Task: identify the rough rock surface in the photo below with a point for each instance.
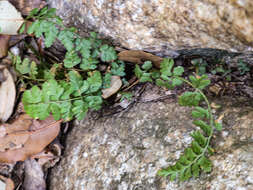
(125, 151)
(169, 24)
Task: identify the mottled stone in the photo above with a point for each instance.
(124, 151)
(169, 24)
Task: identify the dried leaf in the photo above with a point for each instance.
(139, 57)
(34, 176)
(10, 18)
(13, 141)
(22, 123)
(38, 138)
(116, 83)
(4, 45)
(7, 94)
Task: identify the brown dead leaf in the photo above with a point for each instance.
(139, 57)
(32, 141)
(116, 83)
(4, 45)
(7, 94)
(22, 123)
(13, 141)
(34, 176)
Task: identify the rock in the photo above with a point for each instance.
(164, 25)
(124, 151)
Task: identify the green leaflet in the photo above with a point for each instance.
(25, 67)
(66, 111)
(84, 47)
(143, 75)
(118, 68)
(108, 53)
(199, 138)
(199, 82)
(50, 35)
(67, 37)
(95, 82)
(166, 67)
(107, 80)
(147, 65)
(80, 109)
(178, 71)
(204, 126)
(71, 59)
(200, 112)
(89, 64)
(94, 102)
(190, 99)
(32, 96)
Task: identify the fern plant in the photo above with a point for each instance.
(195, 158)
(68, 90)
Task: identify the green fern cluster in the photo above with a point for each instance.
(66, 90)
(70, 89)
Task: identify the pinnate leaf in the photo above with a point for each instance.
(200, 112)
(95, 82)
(67, 37)
(80, 109)
(147, 65)
(178, 71)
(204, 126)
(108, 53)
(94, 102)
(71, 59)
(166, 67)
(190, 99)
(32, 96)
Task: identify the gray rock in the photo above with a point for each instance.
(165, 25)
(124, 151)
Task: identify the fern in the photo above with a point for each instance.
(66, 91)
(195, 158)
(70, 89)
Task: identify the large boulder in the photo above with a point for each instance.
(165, 24)
(124, 151)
